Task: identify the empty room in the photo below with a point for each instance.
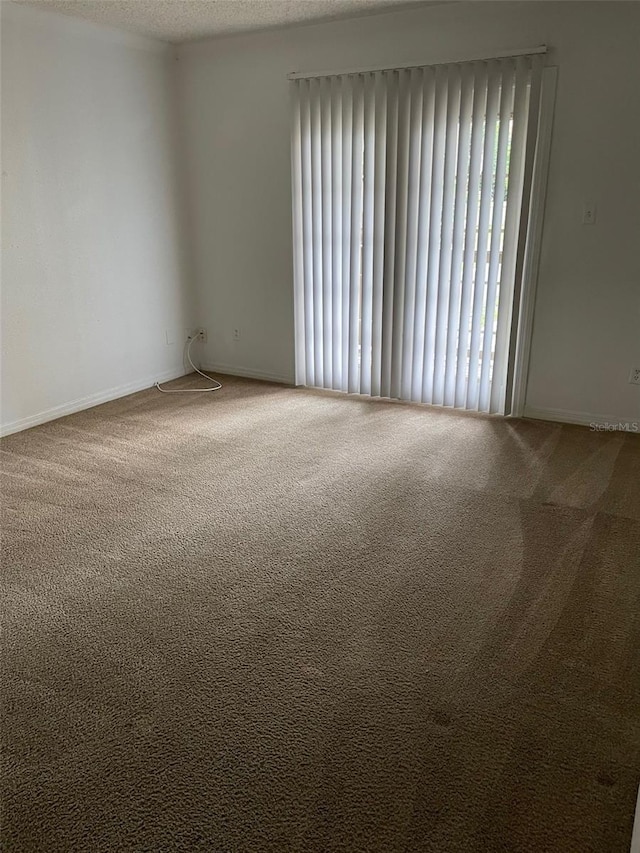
(320, 416)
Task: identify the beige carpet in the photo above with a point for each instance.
(271, 619)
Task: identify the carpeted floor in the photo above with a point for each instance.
(271, 619)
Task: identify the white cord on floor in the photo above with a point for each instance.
(216, 387)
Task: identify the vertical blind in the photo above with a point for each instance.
(409, 199)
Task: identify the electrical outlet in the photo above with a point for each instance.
(634, 376)
(236, 334)
(199, 332)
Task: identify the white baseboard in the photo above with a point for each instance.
(88, 402)
(566, 416)
(635, 838)
(247, 372)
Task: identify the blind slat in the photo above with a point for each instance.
(298, 236)
(412, 231)
(495, 243)
(446, 234)
(478, 126)
(459, 230)
(316, 241)
(424, 229)
(347, 145)
(379, 202)
(402, 203)
(511, 224)
(336, 231)
(391, 181)
(486, 182)
(356, 235)
(368, 238)
(306, 183)
(326, 169)
(434, 238)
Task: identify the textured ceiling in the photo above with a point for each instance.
(183, 20)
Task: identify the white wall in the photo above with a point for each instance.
(587, 321)
(93, 272)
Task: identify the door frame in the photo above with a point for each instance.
(519, 367)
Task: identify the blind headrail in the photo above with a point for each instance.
(308, 75)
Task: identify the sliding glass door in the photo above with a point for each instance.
(410, 199)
